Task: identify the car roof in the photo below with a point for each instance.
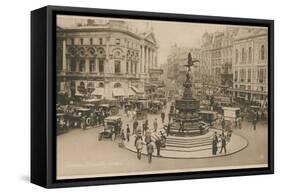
(231, 108)
(82, 109)
(112, 118)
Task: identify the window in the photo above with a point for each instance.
(117, 85)
(250, 55)
(82, 66)
(117, 67)
(101, 65)
(81, 41)
(101, 85)
(262, 52)
(236, 56)
(100, 41)
(243, 55)
(261, 74)
(72, 65)
(72, 41)
(117, 41)
(91, 41)
(127, 67)
(249, 75)
(92, 65)
(242, 75)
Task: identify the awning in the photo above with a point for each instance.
(118, 92)
(136, 90)
(79, 94)
(248, 91)
(98, 92)
(131, 92)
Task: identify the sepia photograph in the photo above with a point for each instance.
(141, 97)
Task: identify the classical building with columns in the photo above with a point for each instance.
(109, 59)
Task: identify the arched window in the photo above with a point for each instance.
(101, 59)
(250, 55)
(117, 66)
(101, 85)
(82, 66)
(117, 85)
(82, 84)
(72, 65)
(262, 52)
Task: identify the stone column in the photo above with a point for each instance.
(145, 59)
(64, 68)
(141, 60)
(147, 62)
(155, 59)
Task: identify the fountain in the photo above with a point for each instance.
(186, 120)
(187, 135)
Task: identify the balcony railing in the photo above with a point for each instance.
(98, 74)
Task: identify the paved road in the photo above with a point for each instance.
(80, 154)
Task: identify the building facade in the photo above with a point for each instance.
(217, 56)
(176, 70)
(250, 65)
(109, 60)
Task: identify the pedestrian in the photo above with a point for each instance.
(223, 143)
(128, 131)
(168, 128)
(240, 123)
(228, 135)
(113, 132)
(170, 116)
(150, 150)
(215, 141)
(163, 116)
(147, 138)
(155, 125)
(158, 146)
(223, 123)
(139, 145)
(201, 128)
(254, 123)
(135, 126)
(122, 139)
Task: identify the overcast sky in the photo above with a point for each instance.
(166, 33)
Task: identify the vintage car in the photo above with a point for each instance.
(112, 127)
(231, 114)
(219, 102)
(62, 124)
(155, 106)
(208, 116)
(80, 117)
(109, 109)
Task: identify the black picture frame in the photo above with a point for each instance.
(43, 87)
